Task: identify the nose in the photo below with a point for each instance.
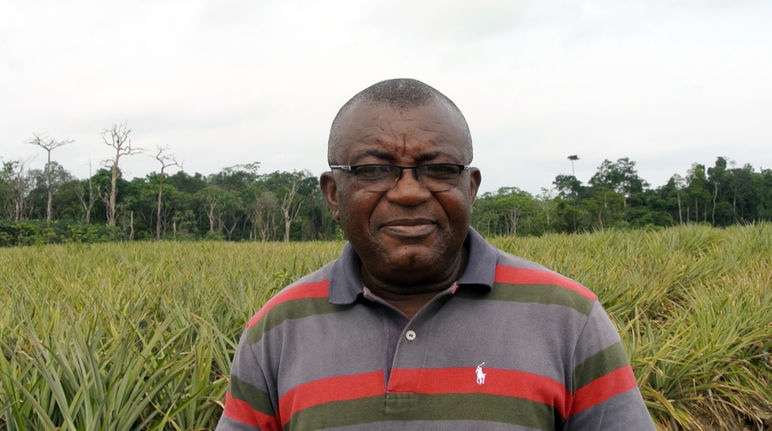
(407, 190)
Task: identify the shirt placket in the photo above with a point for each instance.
(410, 351)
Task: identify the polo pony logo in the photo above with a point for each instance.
(480, 375)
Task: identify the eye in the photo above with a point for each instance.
(442, 171)
(373, 172)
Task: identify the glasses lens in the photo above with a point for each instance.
(376, 173)
(435, 177)
(440, 177)
(440, 172)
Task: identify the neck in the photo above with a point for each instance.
(409, 298)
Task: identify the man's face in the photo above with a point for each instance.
(407, 234)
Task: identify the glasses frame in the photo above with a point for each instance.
(351, 169)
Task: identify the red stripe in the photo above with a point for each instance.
(241, 411)
(341, 388)
(511, 275)
(301, 291)
(603, 388)
(517, 384)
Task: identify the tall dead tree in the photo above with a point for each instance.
(117, 137)
(48, 145)
(19, 180)
(290, 208)
(166, 161)
(82, 198)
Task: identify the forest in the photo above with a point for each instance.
(49, 205)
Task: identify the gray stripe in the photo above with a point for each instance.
(245, 366)
(321, 274)
(326, 345)
(603, 335)
(228, 424)
(467, 332)
(605, 416)
(434, 426)
(507, 259)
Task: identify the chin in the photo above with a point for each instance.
(413, 261)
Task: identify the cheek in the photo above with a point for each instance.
(355, 210)
(458, 208)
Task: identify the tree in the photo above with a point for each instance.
(290, 207)
(166, 161)
(48, 145)
(8, 189)
(716, 177)
(570, 192)
(573, 158)
(40, 198)
(568, 186)
(697, 187)
(17, 183)
(82, 198)
(265, 211)
(509, 211)
(209, 198)
(117, 137)
(621, 177)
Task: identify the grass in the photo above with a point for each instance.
(140, 335)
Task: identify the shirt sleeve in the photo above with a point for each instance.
(248, 405)
(605, 393)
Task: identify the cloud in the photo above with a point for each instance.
(223, 82)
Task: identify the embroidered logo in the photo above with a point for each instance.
(480, 375)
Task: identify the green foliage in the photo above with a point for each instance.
(37, 232)
(140, 335)
(131, 336)
(240, 204)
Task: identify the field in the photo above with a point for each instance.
(139, 335)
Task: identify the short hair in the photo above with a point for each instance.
(401, 94)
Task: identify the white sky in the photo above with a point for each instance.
(223, 82)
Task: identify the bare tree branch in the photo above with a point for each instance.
(48, 145)
(166, 160)
(117, 137)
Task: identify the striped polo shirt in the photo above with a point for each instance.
(510, 346)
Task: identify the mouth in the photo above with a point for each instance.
(409, 227)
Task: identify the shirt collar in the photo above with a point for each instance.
(346, 279)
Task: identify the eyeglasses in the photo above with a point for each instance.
(436, 177)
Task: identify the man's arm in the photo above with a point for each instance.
(248, 404)
(605, 393)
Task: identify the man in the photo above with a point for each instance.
(420, 324)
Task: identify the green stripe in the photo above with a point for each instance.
(295, 309)
(536, 293)
(256, 398)
(600, 364)
(419, 407)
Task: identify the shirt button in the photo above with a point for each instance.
(410, 335)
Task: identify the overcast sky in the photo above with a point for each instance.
(665, 83)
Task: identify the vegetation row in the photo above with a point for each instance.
(140, 335)
(239, 203)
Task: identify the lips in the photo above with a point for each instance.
(409, 227)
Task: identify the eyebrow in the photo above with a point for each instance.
(387, 156)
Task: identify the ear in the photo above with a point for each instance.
(474, 181)
(330, 192)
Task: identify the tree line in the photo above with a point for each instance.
(617, 197)
(50, 205)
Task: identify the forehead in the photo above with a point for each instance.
(430, 131)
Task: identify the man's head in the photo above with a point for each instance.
(409, 231)
(400, 94)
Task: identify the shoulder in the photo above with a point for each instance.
(532, 282)
(313, 286)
